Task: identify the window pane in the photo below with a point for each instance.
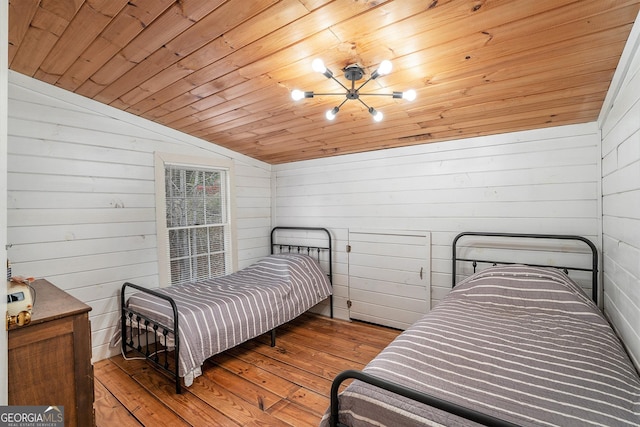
(216, 239)
(196, 211)
(178, 243)
(199, 241)
(180, 270)
(217, 265)
(174, 189)
(200, 265)
(175, 212)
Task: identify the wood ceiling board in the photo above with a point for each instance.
(195, 37)
(122, 29)
(223, 70)
(23, 12)
(87, 24)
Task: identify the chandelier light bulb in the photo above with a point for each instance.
(384, 68)
(331, 114)
(318, 66)
(409, 95)
(377, 115)
(297, 94)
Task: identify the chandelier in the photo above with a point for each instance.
(353, 73)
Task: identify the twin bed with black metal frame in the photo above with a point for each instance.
(195, 321)
(510, 345)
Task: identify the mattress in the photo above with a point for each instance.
(217, 314)
(522, 344)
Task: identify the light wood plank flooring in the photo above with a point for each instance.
(253, 384)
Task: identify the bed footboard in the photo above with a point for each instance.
(444, 405)
(135, 324)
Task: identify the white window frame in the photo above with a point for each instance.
(161, 161)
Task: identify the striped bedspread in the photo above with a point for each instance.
(217, 314)
(522, 344)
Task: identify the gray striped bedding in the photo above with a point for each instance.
(520, 343)
(217, 314)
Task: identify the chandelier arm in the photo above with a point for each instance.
(362, 85)
(364, 103)
(375, 94)
(325, 94)
(340, 83)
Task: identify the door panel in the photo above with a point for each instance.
(389, 276)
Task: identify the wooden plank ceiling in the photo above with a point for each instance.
(223, 70)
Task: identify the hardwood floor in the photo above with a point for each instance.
(253, 384)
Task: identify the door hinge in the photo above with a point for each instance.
(348, 248)
(349, 303)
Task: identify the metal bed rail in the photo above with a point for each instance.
(427, 399)
(130, 319)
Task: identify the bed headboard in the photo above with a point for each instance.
(594, 255)
(314, 241)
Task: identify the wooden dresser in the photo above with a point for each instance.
(50, 358)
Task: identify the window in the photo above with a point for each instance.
(195, 232)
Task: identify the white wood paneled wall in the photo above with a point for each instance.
(4, 32)
(620, 123)
(81, 204)
(545, 181)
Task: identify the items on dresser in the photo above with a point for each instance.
(20, 298)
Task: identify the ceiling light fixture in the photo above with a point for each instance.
(353, 73)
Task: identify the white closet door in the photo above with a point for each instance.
(389, 276)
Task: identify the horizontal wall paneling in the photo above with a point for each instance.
(537, 181)
(81, 201)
